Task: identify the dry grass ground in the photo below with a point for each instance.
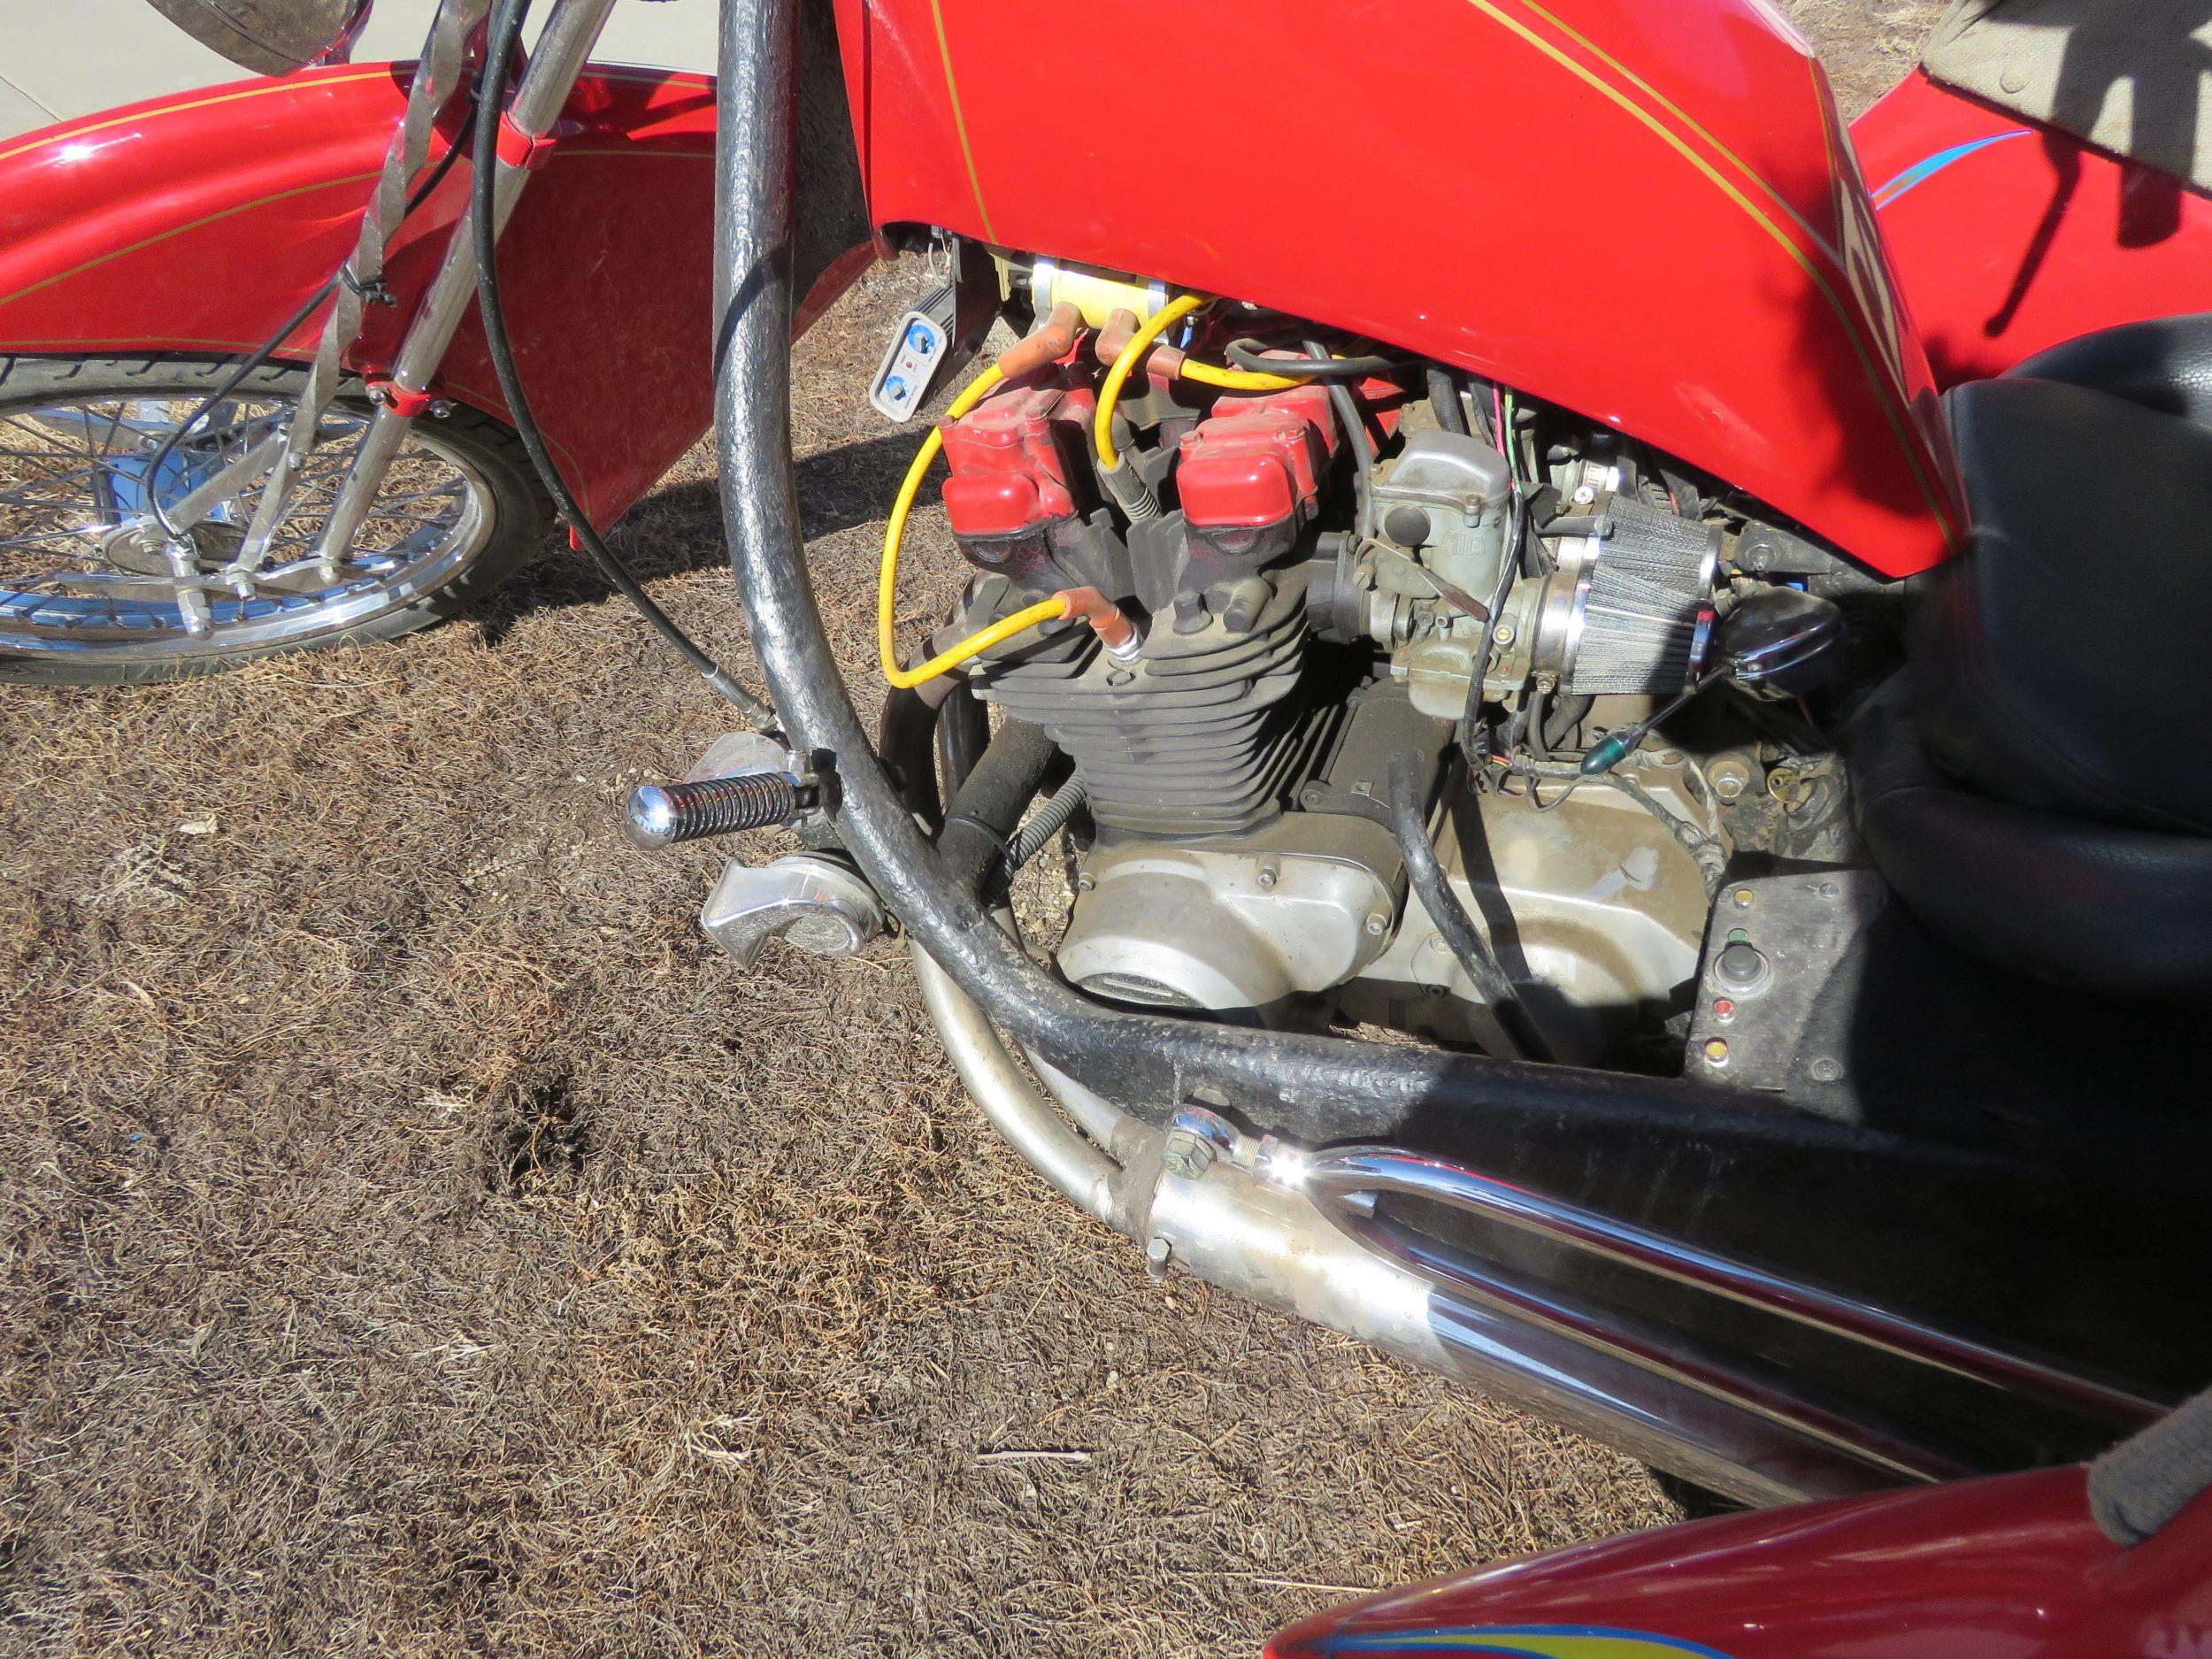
(416, 1239)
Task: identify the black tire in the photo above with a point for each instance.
(519, 511)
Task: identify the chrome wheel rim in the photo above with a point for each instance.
(84, 568)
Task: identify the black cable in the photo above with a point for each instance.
(1410, 828)
(291, 326)
(1479, 669)
(506, 29)
(1362, 446)
(1250, 354)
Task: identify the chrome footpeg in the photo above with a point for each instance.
(744, 782)
(816, 901)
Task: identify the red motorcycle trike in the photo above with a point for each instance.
(1625, 706)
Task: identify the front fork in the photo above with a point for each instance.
(547, 77)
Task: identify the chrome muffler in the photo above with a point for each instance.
(1303, 1232)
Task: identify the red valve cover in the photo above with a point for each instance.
(1012, 458)
(1256, 461)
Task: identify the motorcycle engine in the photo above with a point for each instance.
(1294, 640)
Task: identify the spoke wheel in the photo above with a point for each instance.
(93, 587)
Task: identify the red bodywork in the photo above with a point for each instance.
(198, 224)
(2010, 237)
(2010, 1567)
(1644, 210)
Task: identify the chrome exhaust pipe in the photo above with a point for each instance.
(1233, 1212)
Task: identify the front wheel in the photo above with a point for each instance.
(92, 588)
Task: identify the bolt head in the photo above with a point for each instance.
(1085, 882)
(1377, 925)
(1827, 1071)
(1268, 878)
(1187, 1154)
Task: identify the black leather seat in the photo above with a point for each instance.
(2038, 784)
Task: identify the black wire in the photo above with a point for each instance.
(506, 29)
(1250, 354)
(1409, 827)
(268, 350)
(1508, 563)
(1362, 447)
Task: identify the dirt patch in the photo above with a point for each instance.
(418, 1239)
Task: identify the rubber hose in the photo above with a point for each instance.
(992, 801)
(506, 30)
(1363, 449)
(1444, 400)
(1408, 826)
(963, 731)
(1570, 714)
(1318, 365)
(906, 737)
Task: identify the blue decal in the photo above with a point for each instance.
(1921, 171)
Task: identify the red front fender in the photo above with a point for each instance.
(198, 224)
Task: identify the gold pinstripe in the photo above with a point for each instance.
(178, 230)
(41, 142)
(1690, 122)
(959, 121)
(1885, 394)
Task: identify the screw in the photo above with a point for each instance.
(1434, 990)
(1826, 1070)
(1377, 926)
(1829, 889)
(1187, 1154)
(1157, 1251)
(1503, 634)
(1268, 875)
(1085, 882)
(440, 408)
(1584, 495)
